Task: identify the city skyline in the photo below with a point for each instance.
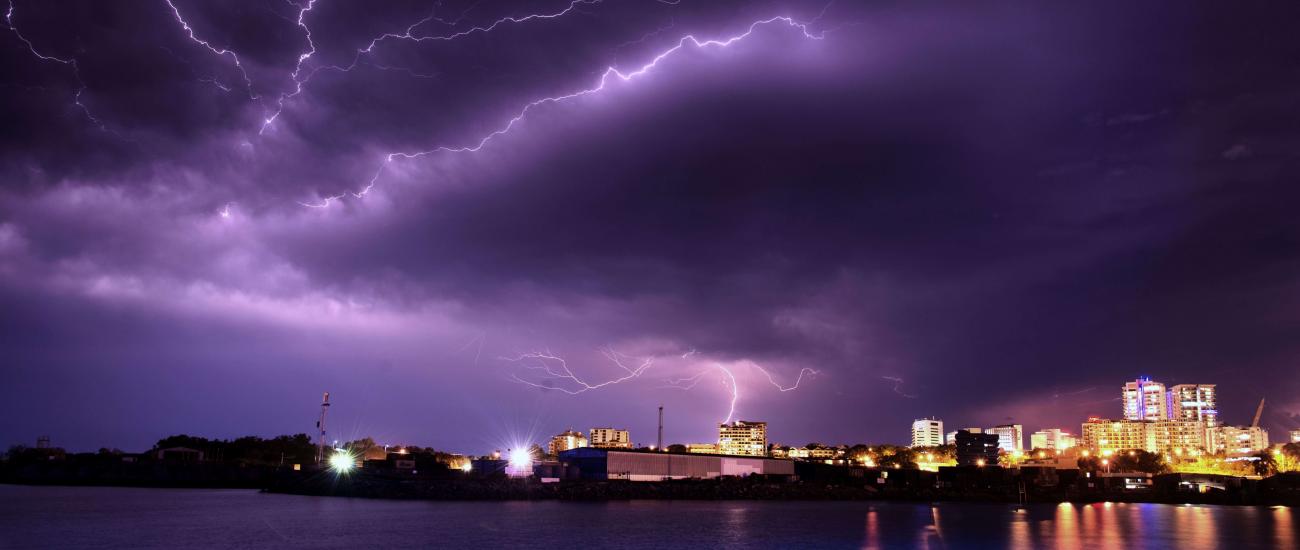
(478, 224)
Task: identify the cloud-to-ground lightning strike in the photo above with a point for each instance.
(69, 61)
(549, 363)
(221, 52)
(608, 76)
(729, 380)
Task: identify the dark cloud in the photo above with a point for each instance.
(975, 212)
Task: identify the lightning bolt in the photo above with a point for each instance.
(729, 380)
(898, 384)
(556, 367)
(220, 52)
(69, 61)
(297, 68)
(609, 76)
(409, 35)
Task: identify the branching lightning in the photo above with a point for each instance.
(69, 61)
(729, 380)
(300, 80)
(607, 77)
(558, 368)
(220, 52)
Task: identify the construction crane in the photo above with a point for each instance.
(1258, 411)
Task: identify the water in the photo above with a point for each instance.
(104, 517)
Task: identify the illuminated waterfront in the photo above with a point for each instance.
(103, 517)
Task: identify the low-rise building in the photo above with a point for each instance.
(1239, 440)
(1295, 436)
(593, 463)
(812, 452)
(609, 438)
(702, 448)
(1052, 438)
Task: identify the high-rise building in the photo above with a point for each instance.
(1052, 438)
(927, 432)
(1145, 400)
(565, 441)
(1239, 440)
(1011, 437)
(1295, 436)
(743, 438)
(610, 438)
(1195, 402)
(976, 449)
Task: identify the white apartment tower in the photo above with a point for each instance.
(1145, 400)
(927, 432)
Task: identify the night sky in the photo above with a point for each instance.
(209, 215)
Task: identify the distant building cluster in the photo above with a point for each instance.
(1178, 420)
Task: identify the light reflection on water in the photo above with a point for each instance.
(61, 517)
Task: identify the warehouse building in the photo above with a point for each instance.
(595, 463)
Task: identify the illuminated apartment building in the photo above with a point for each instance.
(1156, 436)
(1145, 400)
(1239, 440)
(610, 438)
(927, 432)
(1195, 402)
(565, 441)
(743, 438)
(1102, 435)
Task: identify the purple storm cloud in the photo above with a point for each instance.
(465, 219)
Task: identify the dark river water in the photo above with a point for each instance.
(94, 517)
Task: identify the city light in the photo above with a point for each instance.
(520, 462)
(342, 461)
